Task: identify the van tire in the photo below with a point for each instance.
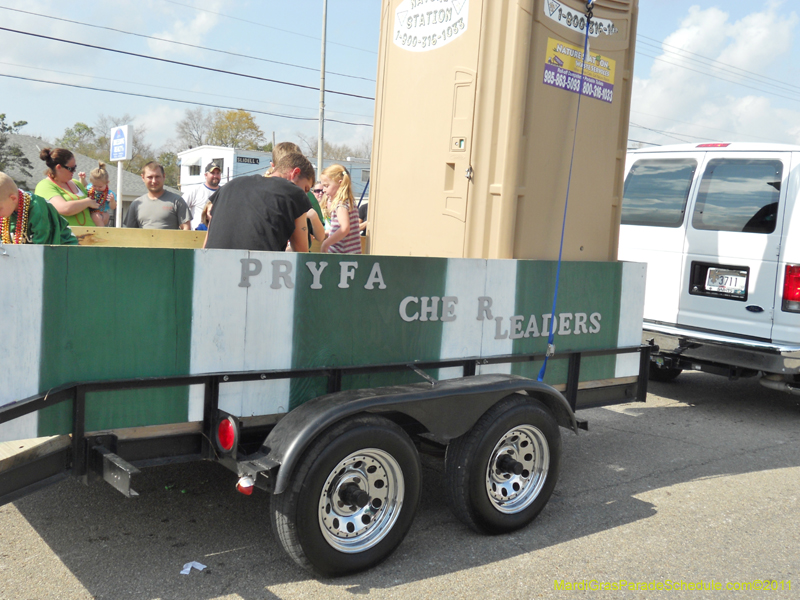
(664, 374)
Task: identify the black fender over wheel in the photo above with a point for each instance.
(352, 498)
(501, 473)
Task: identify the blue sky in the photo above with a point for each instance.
(672, 102)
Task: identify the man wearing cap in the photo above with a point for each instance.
(197, 197)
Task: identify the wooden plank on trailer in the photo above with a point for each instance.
(138, 238)
(23, 451)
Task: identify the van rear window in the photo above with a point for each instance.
(739, 195)
(656, 191)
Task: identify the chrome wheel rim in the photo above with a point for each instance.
(350, 528)
(510, 492)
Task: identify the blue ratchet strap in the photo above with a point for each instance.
(550, 347)
(360, 200)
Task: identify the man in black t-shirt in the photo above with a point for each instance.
(264, 213)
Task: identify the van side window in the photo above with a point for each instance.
(739, 195)
(656, 192)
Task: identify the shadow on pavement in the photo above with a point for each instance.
(699, 426)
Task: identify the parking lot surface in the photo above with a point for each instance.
(698, 486)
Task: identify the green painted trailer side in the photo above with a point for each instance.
(102, 313)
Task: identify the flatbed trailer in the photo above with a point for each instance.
(328, 420)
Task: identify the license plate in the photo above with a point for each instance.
(726, 281)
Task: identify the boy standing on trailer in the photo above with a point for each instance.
(29, 219)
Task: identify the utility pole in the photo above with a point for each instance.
(321, 142)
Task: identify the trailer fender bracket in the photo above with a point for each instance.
(447, 410)
(113, 469)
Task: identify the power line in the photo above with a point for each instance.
(164, 87)
(673, 134)
(150, 37)
(183, 64)
(734, 72)
(251, 22)
(643, 142)
(260, 112)
(763, 91)
(783, 83)
(700, 126)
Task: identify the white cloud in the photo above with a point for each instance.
(194, 30)
(710, 107)
(159, 123)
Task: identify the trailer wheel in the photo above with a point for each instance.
(664, 374)
(501, 473)
(352, 498)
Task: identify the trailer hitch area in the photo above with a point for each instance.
(113, 469)
(256, 471)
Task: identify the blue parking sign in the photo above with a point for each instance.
(121, 147)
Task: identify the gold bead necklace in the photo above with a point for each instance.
(21, 228)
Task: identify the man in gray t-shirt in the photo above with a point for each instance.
(158, 208)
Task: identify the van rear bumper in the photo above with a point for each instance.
(723, 350)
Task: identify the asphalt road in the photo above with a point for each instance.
(698, 484)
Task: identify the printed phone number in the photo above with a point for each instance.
(577, 21)
(428, 41)
(561, 80)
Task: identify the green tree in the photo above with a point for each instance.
(82, 139)
(172, 170)
(331, 151)
(194, 128)
(142, 152)
(235, 129)
(11, 156)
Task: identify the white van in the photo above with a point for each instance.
(719, 228)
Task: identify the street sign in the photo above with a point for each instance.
(121, 143)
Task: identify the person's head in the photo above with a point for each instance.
(280, 150)
(318, 191)
(297, 169)
(60, 164)
(336, 183)
(205, 216)
(213, 175)
(9, 198)
(99, 177)
(153, 177)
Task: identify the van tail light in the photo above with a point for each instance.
(791, 289)
(227, 434)
(714, 145)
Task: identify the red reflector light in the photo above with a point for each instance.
(226, 434)
(714, 145)
(245, 486)
(791, 289)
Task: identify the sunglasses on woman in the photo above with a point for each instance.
(317, 191)
(70, 169)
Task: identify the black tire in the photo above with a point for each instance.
(512, 427)
(331, 536)
(663, 374)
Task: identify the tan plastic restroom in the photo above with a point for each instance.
(474, 121)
